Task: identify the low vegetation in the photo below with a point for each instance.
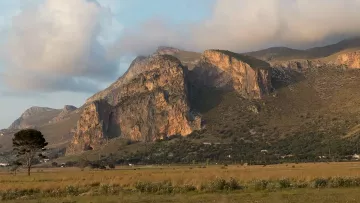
(177, 180)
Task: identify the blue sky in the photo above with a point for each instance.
(59, 52)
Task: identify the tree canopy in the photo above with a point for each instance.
(27, 144)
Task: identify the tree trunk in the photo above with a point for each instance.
(28, 170)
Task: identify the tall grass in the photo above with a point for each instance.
(167, 187)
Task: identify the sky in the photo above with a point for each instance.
(59, 52)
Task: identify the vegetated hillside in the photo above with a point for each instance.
(284, 53)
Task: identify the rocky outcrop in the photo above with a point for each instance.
(347, 59)
(350, 59)
(298, 65)
(152, 105)
(68, 109)
(228, 71)
(91, 127)
(136, 67)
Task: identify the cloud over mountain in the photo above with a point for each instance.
(245, 25)
(63, 44)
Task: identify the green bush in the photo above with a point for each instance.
(320, 182)
(284, 183)
(149, 187)
(220, 184)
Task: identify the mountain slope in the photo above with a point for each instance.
(284, 53)
(34, 116)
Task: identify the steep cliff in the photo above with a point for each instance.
(92, 124)
(229, 71)
(152, 105)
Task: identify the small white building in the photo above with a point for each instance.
(264, 151)
(356, 156)
(4, 164)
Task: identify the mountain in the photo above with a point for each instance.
(284, 100)
(153, 105)
(273, 102)
(284, 53)
(55, 124)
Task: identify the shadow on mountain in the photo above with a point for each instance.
(282, 78)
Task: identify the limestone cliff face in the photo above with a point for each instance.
(229, 71)
(152, 105)
(91, 127)
(351, 59)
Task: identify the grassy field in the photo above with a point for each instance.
(304, 195)
(187, 184)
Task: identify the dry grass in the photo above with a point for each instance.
(178, 175)
(349, 195)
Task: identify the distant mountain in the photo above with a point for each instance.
(33, 117)
(56, 125)
(284, 53)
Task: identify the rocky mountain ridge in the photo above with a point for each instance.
(37, 116)
(162, 95)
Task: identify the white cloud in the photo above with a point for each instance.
(246, 25)
(54, 46)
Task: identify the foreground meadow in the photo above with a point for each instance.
(195, 183)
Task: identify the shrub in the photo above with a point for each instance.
(342, 182)
(284, 183)
(220, 184)
(217, 184)
(72, 190)
(233, 184)
(319, 182)
(111, 166)
(260, 184)
(149, 187)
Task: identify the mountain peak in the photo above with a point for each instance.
(33, 116)
(69, 108)
(35, 110)
(167, 50)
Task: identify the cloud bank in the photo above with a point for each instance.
(247, 25)
(54, 46)
(62, 45)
